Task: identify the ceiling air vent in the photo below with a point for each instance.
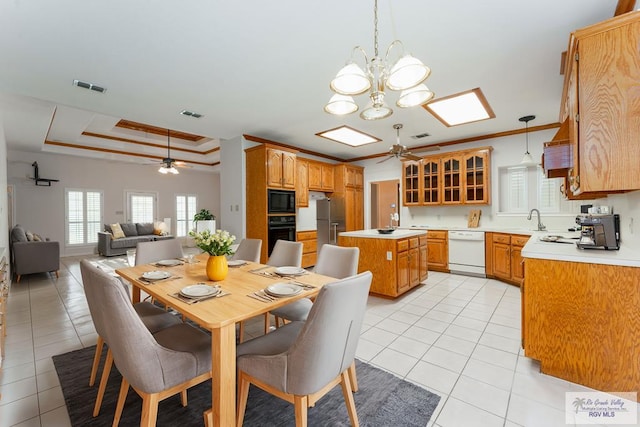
(89, 86)
(421, 135)
(190, 114)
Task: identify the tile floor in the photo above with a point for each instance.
(457, 336)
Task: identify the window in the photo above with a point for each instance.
(523, 188)
(141, 207)
(185, 210)
(517, 189)
(83, 209)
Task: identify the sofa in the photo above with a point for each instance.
(30, 253)
(116, 239)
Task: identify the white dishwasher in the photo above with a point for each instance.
(466, 252)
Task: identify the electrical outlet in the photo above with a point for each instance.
(389, 256)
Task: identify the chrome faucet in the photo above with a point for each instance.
(541, 226)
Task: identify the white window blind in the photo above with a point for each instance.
(517, 178)
(141, 207)
(185, 210)
(84, 216)
(548, 193)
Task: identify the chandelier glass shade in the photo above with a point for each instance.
(406, 74)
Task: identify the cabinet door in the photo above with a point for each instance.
(430, 180)
(358, 209)
(476, 168)
(315, 176)
(403, 272)
(288, 170)
(274, 168)
(411, 183)
(517, 265)
(414, 267)
(302, 189)
(424, 262)
(327, 177)
(438, 254)
(502, 260)
(451, 180)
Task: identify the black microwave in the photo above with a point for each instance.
(281, 201)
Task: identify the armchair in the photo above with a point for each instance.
(32, 256)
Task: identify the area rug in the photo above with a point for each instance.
(382, 400)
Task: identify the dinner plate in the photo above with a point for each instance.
(283, 289)
(290, 271)
(156, 275)
(236, 262)
(169, 262)
(197, 291)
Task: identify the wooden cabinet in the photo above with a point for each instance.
(600, 103)
(502, 252)
(397, 264)
(580, 320)
(438, 250)
(460, 177)
(320, 176)
(349, 186)
(281, 169)
(309, 240)
(302, 183)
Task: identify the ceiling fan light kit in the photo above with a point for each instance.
(398, 150)
(168, 164)
(527, 159)
(407, 74)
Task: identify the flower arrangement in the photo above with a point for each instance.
(215, 244)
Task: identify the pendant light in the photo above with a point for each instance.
(527, 160)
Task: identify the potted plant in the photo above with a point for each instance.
(205, 220)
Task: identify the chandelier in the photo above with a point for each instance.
(407, 75)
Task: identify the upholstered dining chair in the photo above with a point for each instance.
(302, 361)
(156, 366)
(147, 252)
(248, 250)
(154, 318)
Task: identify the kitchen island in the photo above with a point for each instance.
(581, 313)
(397, 260)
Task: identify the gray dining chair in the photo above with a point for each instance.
(156, 366)
(302, 361)
(248, 250)
(154, 318)
(286, 253)
(147, 252)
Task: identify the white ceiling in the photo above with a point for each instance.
(263, 68)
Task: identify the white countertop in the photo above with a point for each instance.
(398, 233)
(628, 256)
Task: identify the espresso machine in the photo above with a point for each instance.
(599, 231)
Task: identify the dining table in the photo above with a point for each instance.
(241, 296)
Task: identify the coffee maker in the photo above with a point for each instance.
(599, 231)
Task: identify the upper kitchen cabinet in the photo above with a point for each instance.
(281, 168)
(601, 102)
(302, 183)
(460, 177)
(320, 176)
(349, 186)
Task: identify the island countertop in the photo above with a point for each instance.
(373, 234)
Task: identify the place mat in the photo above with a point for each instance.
(188, 300)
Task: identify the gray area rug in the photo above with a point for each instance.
(383, 400)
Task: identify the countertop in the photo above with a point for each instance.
(398, 233)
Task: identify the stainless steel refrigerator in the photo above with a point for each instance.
(330, 220)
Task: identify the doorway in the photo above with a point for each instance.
(385, 201)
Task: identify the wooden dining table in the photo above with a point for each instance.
(220, 315)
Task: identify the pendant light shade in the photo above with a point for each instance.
(406, 73)
(414, 96)
(527, 159)
(350, 80)
(340, 105)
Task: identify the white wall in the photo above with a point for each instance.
(4, 228)
(41, 209)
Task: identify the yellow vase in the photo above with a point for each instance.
(217, 268)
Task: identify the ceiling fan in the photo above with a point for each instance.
(168, 165)
(398, 150)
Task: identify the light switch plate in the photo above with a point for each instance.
(389, 256)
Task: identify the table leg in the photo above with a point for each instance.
(223, 377)
(135, 294)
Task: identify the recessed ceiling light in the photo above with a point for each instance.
(465, 107)
(190, 114)
(89, 86)
(349, 136)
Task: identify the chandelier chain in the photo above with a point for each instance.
(375, 29)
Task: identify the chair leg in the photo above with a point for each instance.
(243, 394)
(103, 382)
(267, 323)
(18, 278)
(57, 274)
(96, 361)
(241, 332)
(122, 396)
(149, 410)
(183, 397)
(301, 403)
(348, 398)
(352, 377)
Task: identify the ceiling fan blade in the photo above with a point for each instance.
(384, 160)
(409, 156)
(182, 164)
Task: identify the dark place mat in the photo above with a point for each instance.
(382, 400)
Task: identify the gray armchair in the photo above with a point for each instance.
(32, 256)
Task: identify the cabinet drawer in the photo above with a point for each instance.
(402, 245)
(502, 238)
(414, 242)
(423, 240)
(309, 260)
(519, 240)
(306, 235)
(436, 234)
(309, 246)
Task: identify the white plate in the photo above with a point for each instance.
(169, 262)
(197, 291)
(236, 262)
(156, 275)
(283, 289)
(290, 271)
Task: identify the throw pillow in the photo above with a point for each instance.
(117, 232)
(37, 237)
(18, 234)
(129, 229)
(107, 228)
(29, 236)
(144, 228)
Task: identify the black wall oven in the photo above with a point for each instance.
(281, 202)
(281, 227)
